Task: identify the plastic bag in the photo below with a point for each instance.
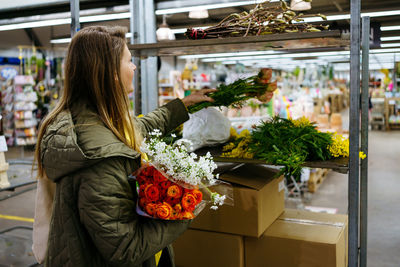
(163, 197)
(207, 127)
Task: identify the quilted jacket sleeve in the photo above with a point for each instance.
(107, 210)
(165, 118)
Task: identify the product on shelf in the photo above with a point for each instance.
(19, 101)
(259, 21)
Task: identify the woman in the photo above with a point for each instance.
(88, 146)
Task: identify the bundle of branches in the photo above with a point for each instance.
(289, 143)
(236, 93)
(259, 21)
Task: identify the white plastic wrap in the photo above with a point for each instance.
(207, 127)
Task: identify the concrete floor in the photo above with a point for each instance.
(383, 205)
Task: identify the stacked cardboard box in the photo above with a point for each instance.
(300, 238)
(217, 237)
(258, 232)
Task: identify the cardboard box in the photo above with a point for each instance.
(300, 238)
(258, 202)
(200, 248)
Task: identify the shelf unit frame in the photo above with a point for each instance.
(358, 174)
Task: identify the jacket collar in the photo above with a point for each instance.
(77, 139)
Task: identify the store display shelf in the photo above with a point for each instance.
(284, 41)
(340, 165)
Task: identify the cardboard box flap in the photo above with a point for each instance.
(326, 234)
(250, 175)
(314, 216)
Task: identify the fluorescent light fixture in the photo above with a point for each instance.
(35, 24)
(215, 55)
(60, 41)
(391, 38)
(67, 40)
(54, 22)
(212, 6)
(332, 17)
(390, 28)
(379, 51)
(391, 45)
(381, 13)
(183, 30)
(124, 15)
(347, 16)
(279, 56)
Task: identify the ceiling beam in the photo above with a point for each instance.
(34, 39)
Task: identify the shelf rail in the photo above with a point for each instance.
(364, 141)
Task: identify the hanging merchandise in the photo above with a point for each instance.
(259, 21)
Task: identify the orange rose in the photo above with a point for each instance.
(142, 187)
(188, 202)
(187, 215)
(164, 211)
(272, 86)
(265, 75)
(152, 193)
(165, 184)
(172, 201)
(142, 202)
(148, 171)
(198, 195)
(178, 207)
(174, 191)
(175, 215)
(141, 179)
(158, 177)
(151, 209)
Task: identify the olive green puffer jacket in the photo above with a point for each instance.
(94, 222)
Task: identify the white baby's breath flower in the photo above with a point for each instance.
(173, 135)
(214, 207)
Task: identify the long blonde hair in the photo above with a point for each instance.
(92, 74)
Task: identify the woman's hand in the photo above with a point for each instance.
(197, 97)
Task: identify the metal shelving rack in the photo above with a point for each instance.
(145, 49)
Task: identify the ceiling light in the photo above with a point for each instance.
(279, 56)
(60, 41)
(390, 28)
(391, 38)
(54, 22)
(183, 30)
(379, 51)
(164, 33)
(212, 6)
(198, 14)
(391, 45)
(35, 24)
(124, 15)
(366, 14)
(67, 40)
(214, 55)
(300, 5)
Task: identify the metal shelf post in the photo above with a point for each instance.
(143, 25)
(354, 127)
(364, 142)
(75, 26)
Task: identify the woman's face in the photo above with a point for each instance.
(127, 70)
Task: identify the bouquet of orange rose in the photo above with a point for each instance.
(176, 185)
